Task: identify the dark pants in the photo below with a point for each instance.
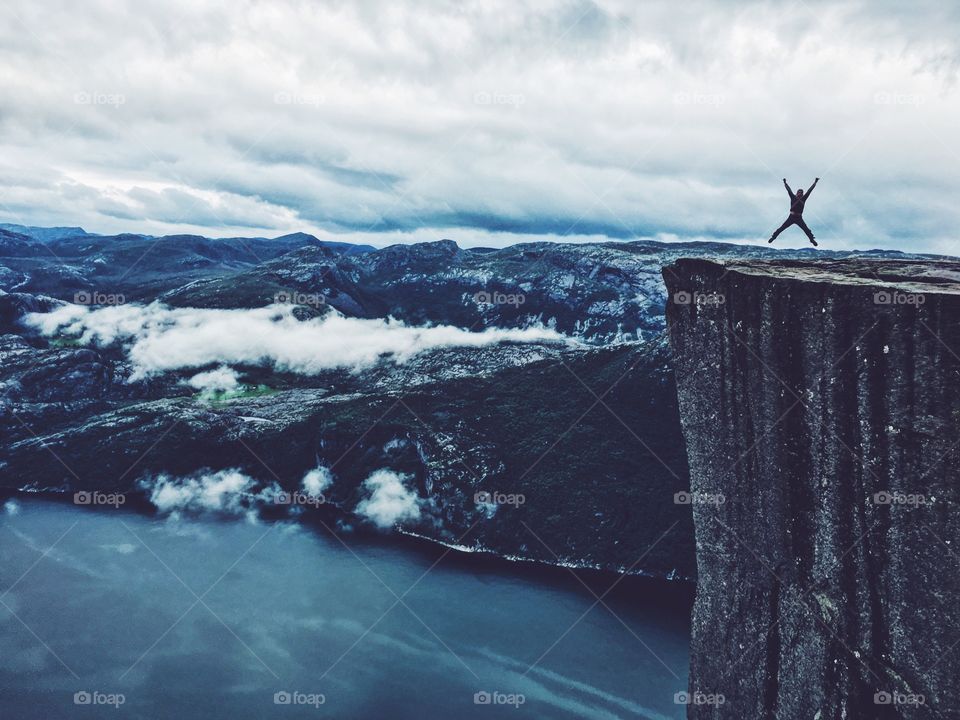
(793, 219)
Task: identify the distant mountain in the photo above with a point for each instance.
(138, 266)
(300, 239)
(14, 244)
(45, 234)
(599, 292)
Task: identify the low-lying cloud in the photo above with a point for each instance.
(226, 491)
(222, 379)
(160, 338)
(390, 501)
(387, 498)
(317, 481)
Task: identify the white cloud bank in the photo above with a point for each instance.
(390, 500)
(161, 339)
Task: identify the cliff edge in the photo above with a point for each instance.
(820, 402)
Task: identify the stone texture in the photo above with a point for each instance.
(805, 389)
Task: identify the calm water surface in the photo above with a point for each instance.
(208, 618)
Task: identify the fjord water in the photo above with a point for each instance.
(211, 618)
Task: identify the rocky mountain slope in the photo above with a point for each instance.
(460, 425)
(585, 431)
(599, 292)
(821, 400)
(501, 444)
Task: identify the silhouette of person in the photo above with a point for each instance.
(797, 201)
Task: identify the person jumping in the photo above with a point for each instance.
(797, 201)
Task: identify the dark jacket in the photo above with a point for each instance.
(798, 201)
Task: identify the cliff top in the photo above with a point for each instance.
(921, 276)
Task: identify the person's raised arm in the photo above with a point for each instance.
(813, 186)
(789, 191)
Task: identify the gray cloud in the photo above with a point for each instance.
(489, 122)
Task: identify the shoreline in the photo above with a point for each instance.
(477, 558)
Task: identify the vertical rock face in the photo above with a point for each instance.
(820, 403)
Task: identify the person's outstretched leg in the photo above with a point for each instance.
(803, 226)
(786, 223)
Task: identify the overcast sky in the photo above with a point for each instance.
(486, 122)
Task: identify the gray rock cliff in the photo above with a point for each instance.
(820, 403)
